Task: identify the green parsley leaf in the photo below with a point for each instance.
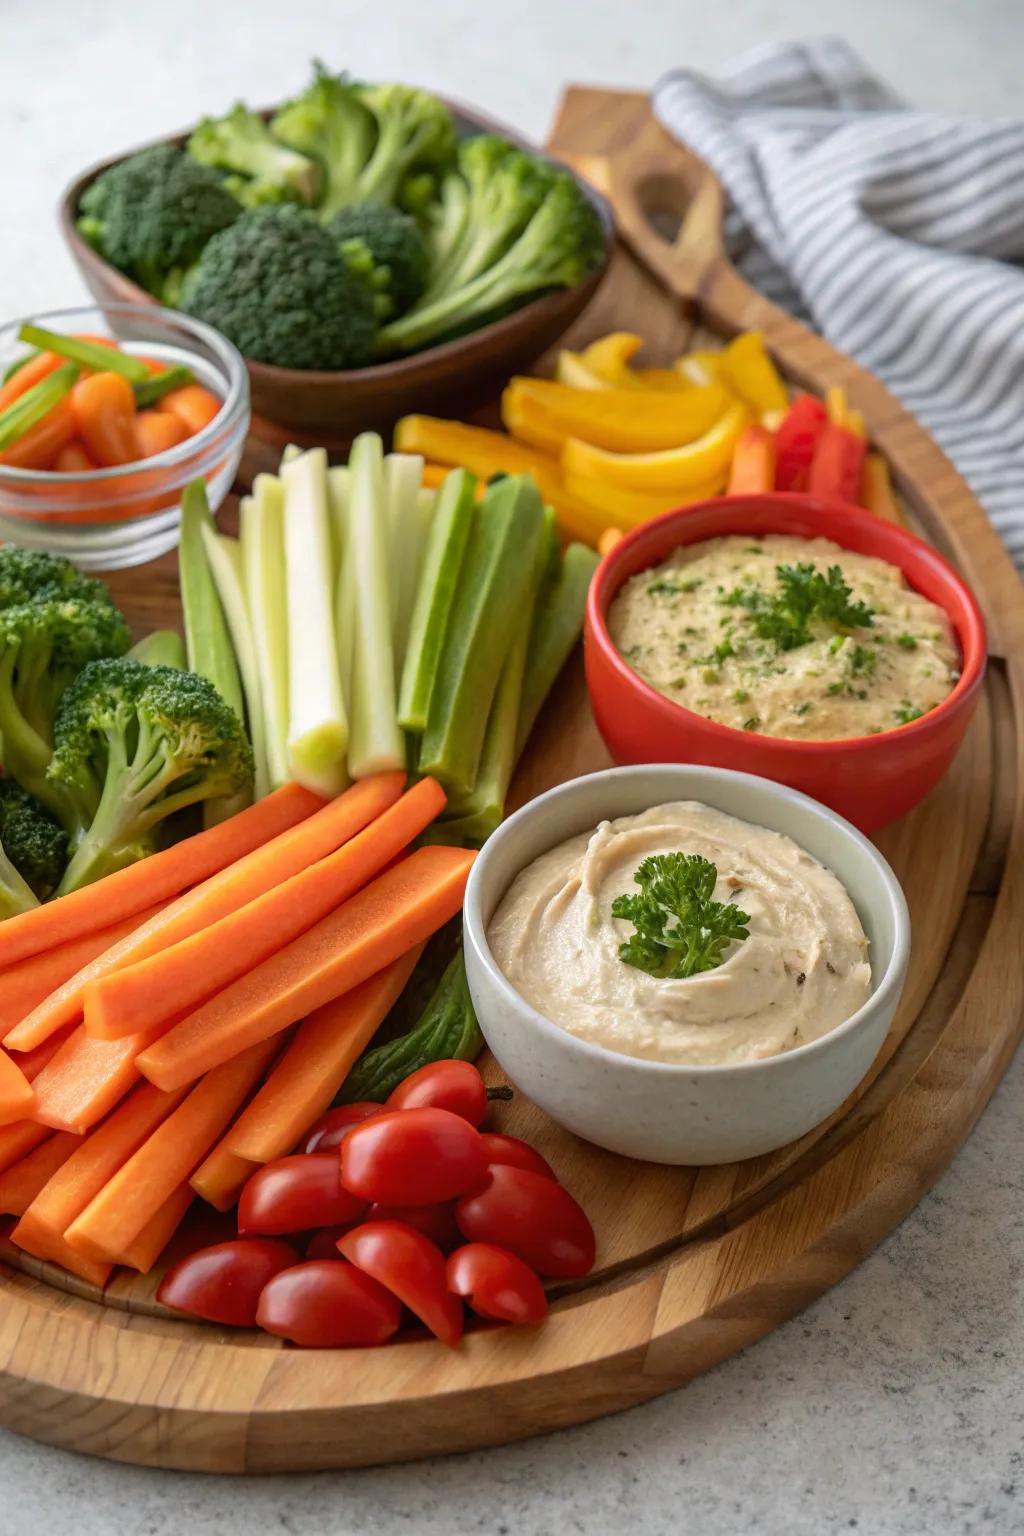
(680, 929)
(784, 618)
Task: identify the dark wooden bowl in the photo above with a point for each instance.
(336, 405)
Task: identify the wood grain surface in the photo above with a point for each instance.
(693, 1264)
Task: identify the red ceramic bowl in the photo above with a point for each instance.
(868, 779)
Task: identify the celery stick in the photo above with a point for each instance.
(37, 402)
(377, 742)
(88, 354)
(207, 642)
(317, 723)
(161, 648)
(496, 580)
(338, 480)
(443, 555)
(225, 558)
(153, 388)
(262, 537)
(403, 479)
(556, 628)
(290, 452)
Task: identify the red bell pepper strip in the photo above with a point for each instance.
(795, 442)
(838, 461)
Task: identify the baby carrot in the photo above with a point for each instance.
(104, 412)
(195, 406)
(156, 431)
(40, 445)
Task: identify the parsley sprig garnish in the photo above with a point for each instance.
(680, 929)
(784, 617)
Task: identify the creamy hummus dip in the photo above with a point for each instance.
(712, 628)
(801, 972)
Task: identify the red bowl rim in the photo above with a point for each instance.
(832, 520)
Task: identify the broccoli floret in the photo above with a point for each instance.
(505, 187)
(330, 123)
(261, 169)
(415, 134)
(134, 744)
(277, 286)
(43, 647)
(151, 215)
(31, 840)
(384, 247)
(560, 245)
(29, 574)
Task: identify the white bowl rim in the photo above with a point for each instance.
(890, 982)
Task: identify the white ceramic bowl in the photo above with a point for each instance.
(660, 1111)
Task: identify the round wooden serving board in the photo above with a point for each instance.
(693, 1264)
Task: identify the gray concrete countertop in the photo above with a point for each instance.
(894, 1405)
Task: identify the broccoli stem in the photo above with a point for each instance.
(15, 894)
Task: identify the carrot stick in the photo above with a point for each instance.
(29, 374)
(391, 915)
(143, 1253)
(92, 1165)
(75, 1263)
(220, 1178)
(25, 985)
(112, 1221)
(21, 1183)
(753, 463)
(248, 877)
(17, 1098)
(163, 874)
(166, 985)
(16, 1141)
(33, 1062)
(315, 1065)
(86, 1079)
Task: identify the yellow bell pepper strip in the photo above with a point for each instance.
(609, 356)
(752, 375)
(837, 464)
(795, 442)
(700, 367)
(625, 509)
(545, 414)
(876, 492)
(573, 371)
(753, 463)
(675, 469)
(835, 404)
(854, 423)
(664, 380)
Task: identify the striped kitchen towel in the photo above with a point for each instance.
(895, 233)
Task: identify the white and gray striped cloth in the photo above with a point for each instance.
(895, 233)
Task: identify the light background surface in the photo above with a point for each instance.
(894, 1406)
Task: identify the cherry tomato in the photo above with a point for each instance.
(331, 1128)
(295, 1193)
(223, 1283)
(516, 1153)
(324, 1244)
(326, 1304)
(411, 1266)
(497, 1284)
(534, 1217)
(453, 1085)
(412, 1157)
(435, 1221)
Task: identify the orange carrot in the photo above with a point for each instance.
(40, 445)
(166, 985)
(91, 1165)
(73, 460)
(143, 1253)
(112, 1221)
(220, 1177)
(22, 1182)
(193, 405)
(753, 463)
(33, 1062)
(876, 492)
(388, 917)
(249, 877)
(75, 1263)
(104, 410)
(17, 1099)
(16, 1141)
(315, 1065)
(25, 985)
(86, 1079)
(608, 540)
(163, 874)
(156, 431)
(28, 375)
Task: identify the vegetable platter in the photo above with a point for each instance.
(695, 1263)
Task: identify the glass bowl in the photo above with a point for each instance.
(108, 518)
